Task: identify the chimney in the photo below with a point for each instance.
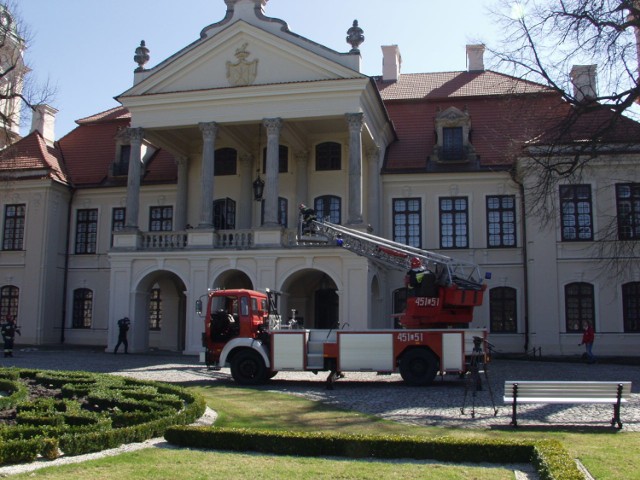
(43, 120)
(391, 63)
(583, 78)
(475, 58)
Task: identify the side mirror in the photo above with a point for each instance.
(199, 307)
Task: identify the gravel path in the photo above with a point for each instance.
(382, 395)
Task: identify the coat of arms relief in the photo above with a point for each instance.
(243, 72)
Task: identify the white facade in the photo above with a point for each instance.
(252, 86)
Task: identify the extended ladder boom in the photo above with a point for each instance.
(397, 255)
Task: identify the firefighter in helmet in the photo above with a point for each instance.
(308, 215)
(420, 281)
(414, 277)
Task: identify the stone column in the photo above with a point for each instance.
(136, 136)
(181, 194)
(374, 203)
(209, 132)
(355, 168)
(246, 191)
(271, 191)
(302, 177)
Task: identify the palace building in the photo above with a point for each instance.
(194, 182)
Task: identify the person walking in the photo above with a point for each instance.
(123, 328)
(9, 330)
(588, 336)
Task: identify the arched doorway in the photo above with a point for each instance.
(232, 279)
(312, 294)
(159, 321)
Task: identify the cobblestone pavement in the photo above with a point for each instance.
(383, 395)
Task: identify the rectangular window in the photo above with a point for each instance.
(117, 220)
(628, 210)
(576, 213)
(579, 306)
(82, 308)
(155, 310)
(502, 310)
(283, 208)
(454, 222)
(631, 307)
(452, 143)
(121, 167)
(161, 219)
(86, 231)
(13, 233)
(501, 221)
(407, 221)
(224, 214)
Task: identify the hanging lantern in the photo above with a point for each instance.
(258, 187)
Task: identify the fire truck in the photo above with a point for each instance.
(244, 331)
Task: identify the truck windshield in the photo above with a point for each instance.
(227, 304)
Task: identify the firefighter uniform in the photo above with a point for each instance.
(9, 329)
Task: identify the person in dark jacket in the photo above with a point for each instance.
(123, 328)
(9, 330)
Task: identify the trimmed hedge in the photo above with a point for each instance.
(549, 457)
(98, 411)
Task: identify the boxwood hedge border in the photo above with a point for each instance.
(124, 410)
(549, 457)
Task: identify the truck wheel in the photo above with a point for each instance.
(418, 367)
(248, 368)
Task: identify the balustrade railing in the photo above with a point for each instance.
(163, 240)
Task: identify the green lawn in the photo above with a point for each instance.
(607, 454)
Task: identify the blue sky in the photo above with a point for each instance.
(85, 48)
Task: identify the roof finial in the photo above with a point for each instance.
(355, 37)
(141, 57)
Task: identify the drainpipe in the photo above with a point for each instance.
(525, 268)
(66, 266)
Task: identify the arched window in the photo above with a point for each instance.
(82, 308)
(399, 303)
(579, 306)
(328, 156)
(631, 307)
(328, 207)
(503, 310)
(225, 162)
(9, 296)
(155, 308)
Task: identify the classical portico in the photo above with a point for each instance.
(268, 116)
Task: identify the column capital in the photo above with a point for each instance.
(136, 134)
(373, 152)
(181, 160)
(301, 155)
(273, 125)
(209, 130)
(246, 157)
(354, 120)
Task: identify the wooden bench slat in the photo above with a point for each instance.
(564, 400)
(567, 392)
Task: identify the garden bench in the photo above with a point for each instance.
(615, 393)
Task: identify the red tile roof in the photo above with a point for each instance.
(31, 157)
(90, 149)
(433, 86)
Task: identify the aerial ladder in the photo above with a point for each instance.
(448, 294)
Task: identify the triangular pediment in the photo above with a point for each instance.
(238, 56)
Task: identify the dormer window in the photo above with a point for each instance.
(121, 166)
(452, 133)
